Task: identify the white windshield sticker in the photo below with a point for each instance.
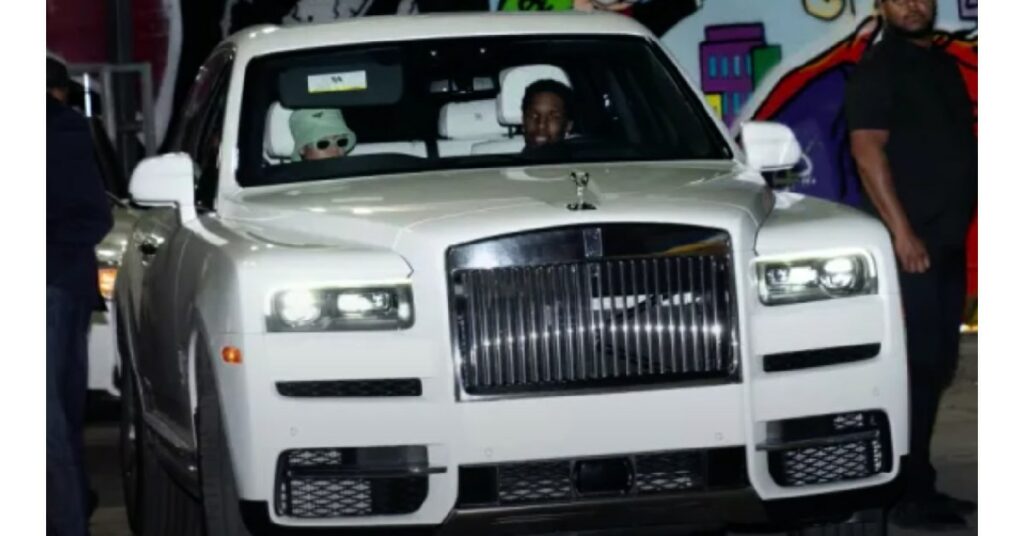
(332, 82)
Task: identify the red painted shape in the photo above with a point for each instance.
(77, 30)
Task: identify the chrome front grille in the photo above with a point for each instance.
(595, 323)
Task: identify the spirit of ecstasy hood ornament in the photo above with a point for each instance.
(581, 179)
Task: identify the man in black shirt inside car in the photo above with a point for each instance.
(912, 134)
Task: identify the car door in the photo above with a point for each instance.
(205, 153)
(161, 241)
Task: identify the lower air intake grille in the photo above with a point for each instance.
(832, 448)
(326, 483)
(669, 471)
(534, 482)
(566, 481)
(819, 465)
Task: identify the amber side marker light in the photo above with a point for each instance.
(231, 355)
(107, 277)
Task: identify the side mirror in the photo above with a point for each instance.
(770, 146)
(165, 180)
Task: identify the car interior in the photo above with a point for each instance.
(464, 128)
(457, 104)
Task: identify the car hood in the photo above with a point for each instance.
(377, 211)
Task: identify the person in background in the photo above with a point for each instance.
(77, 217)
(320, 134)
(912, 135)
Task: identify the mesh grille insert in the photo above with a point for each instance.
(670, 471)
(534, 482)
(560, 481)
(864, 454)
(324, 483)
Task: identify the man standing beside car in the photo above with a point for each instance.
(77, 218)
(912, 134)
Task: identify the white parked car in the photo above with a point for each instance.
(442, 330)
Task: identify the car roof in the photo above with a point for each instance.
(260, 40)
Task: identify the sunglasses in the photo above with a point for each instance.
(326, 143)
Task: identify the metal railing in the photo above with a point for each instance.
(125, 94)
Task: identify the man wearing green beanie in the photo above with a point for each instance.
(320, 133)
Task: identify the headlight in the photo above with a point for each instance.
(811, 278)
(376, 307)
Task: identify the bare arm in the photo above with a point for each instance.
(868, 148)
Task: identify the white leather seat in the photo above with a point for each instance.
(279, 144)
(514, 82)
(277, 135)
(509, 146)
(411, 148)
(463, 124)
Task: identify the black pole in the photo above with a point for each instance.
(125, 86)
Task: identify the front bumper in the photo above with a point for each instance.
(707, 510)
(262, 423)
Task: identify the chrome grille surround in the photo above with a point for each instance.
(552, 312)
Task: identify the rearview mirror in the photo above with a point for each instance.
(770, 146)
(165, 180)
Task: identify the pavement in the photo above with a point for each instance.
(955, 451)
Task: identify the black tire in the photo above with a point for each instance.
(167, 509)
(867, 523)
(220, 495)
(130, 449)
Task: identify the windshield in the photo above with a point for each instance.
(466, 103)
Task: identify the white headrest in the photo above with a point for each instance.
(469, 120)
(508, 146)
(514, 82)
(277, 138)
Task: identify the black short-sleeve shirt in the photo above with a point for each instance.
(918, 95)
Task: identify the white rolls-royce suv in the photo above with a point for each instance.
(456, 325)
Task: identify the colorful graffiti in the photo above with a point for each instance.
(828, 9)
(327, 10)
(658, 15)
(733, 60)
(565, 5)
(809, 98)
(807, 94)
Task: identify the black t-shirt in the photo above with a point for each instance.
(918, 95)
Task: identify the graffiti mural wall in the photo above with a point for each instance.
(788, 61)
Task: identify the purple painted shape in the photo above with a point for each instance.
(729, 51)
(729, 46)
(735, 32)
(969, 9)
(816, 116)
(727, 42)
